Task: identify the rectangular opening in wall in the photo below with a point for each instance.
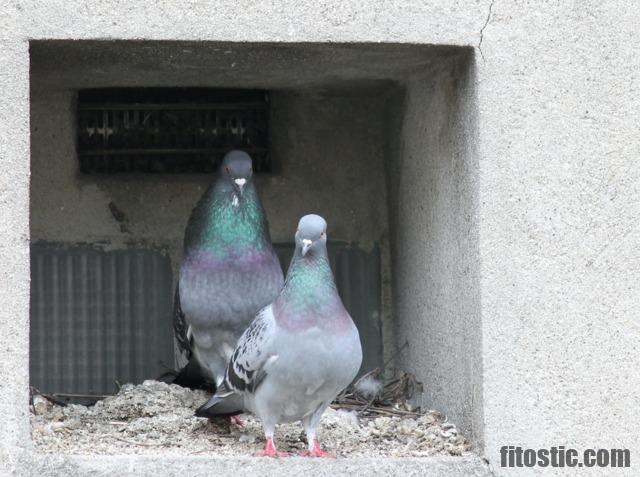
(169, 130)
(373, 137)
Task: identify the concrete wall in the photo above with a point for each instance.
(559, 104)
(433, 202)
(15, 438)
(328, 135)
(318, 137)
(557, 210)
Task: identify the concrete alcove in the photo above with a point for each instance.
(373, 137)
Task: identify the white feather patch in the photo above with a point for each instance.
(271, 360)
(369, 387)
(235, 201)
(227, 351)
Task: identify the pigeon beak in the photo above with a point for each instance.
(240, 183)
(306, 245)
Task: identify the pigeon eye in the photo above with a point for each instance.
(321, 234)
(226, 168)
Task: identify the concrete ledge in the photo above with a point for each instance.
(138, 465)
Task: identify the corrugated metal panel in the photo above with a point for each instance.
(357, 275)
(100, 316)
(97, 317)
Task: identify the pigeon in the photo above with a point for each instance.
(299, 353)
(229, 271)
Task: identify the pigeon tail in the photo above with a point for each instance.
(192, 377)
(223, 403)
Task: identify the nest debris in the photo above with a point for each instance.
(158, 418)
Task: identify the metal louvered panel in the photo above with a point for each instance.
(169, 130)
(97, 317)
(357, 275)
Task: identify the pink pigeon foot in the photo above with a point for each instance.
(270, 450)
(236, 420)
(316, 451)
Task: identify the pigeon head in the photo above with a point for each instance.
(311, 234)
(237, 169)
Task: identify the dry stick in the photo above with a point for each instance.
(396, 411)
(394, 355)
(145, 444)
(31, 403)
(393, 382)
(364, 409)
(379, 370)
(355, 403)
(71, 395)
(379, 410)
(48, 397)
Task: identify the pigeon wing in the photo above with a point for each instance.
(251, 359)
(180, 326)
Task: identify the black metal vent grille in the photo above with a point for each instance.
(169, 130)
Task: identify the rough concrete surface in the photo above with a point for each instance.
(157, 418)
(14, 249)
(559, 181)
(432, 172)
(556, 90)
(102, 466)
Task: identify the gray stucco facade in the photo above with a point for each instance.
(504, 190)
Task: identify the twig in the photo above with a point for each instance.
(50, 398)
(369, 404)
(394, 355)
(397, 391)
(377, 410)
(145, 444)
(73, 395)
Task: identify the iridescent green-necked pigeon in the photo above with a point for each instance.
(229, 272)
(299, 352)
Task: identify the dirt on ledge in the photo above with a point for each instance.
(157, 418)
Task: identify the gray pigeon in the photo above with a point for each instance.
(229, 272)
(299, 352)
